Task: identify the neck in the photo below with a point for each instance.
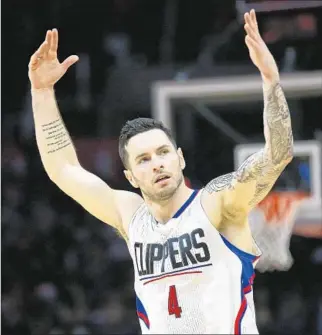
(164, 210)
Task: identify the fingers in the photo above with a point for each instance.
(253, 17)
(251, 43)
(42, 50)
(54, 43)
(250, 32)
(69, 62)
(48, 38)
(33, 62)
(44, 47)
(251, 26)
(47, 50)
(250, 18)
(39, 55)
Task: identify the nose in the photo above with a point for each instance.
(158, 164)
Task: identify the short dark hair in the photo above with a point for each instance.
(138, 126)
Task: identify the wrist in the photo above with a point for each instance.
(41, 91)
(269, 81)
(270, 77)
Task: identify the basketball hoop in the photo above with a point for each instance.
(271, 224)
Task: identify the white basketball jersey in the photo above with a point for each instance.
(188, 278)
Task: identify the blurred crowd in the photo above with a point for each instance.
(64, 272)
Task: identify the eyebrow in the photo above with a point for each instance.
(165, 146)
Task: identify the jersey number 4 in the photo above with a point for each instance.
(173, 306)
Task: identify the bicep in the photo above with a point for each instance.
(255, 178)
(94, 195)
(243, 189)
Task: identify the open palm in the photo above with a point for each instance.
(258, 50)
(44, 68)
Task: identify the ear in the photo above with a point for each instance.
(181, 159)
(129, 176)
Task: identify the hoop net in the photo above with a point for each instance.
(271, 224)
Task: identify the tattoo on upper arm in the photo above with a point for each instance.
(265, 166)
(56, 136)
(221, 183)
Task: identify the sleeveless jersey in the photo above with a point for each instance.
(188, 278)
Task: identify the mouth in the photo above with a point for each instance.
(161, 178)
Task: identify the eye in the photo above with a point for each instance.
(142, 160)
(164, 151)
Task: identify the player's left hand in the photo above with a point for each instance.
(258, 50)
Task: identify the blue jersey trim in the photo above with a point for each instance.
(246, 280)
(185, 205)
(238, 252)
(141, 312)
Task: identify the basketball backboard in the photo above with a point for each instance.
(302, 174)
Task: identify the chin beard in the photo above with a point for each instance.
(163, 195)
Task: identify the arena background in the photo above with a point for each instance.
(63, 271)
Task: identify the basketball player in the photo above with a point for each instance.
(192, 251)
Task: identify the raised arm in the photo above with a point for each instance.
(238, 192)
(56, 149)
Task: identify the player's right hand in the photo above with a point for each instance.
(44, 67)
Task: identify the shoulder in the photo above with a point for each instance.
(219, 200)
(220, 184)
(211, 202)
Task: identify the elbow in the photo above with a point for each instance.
(279, 155)
(52, 174)
(290, 151)
(290, 154)
(286, 160)
(49, 165)
(56, 171)
(52, 171)
(289, 159)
